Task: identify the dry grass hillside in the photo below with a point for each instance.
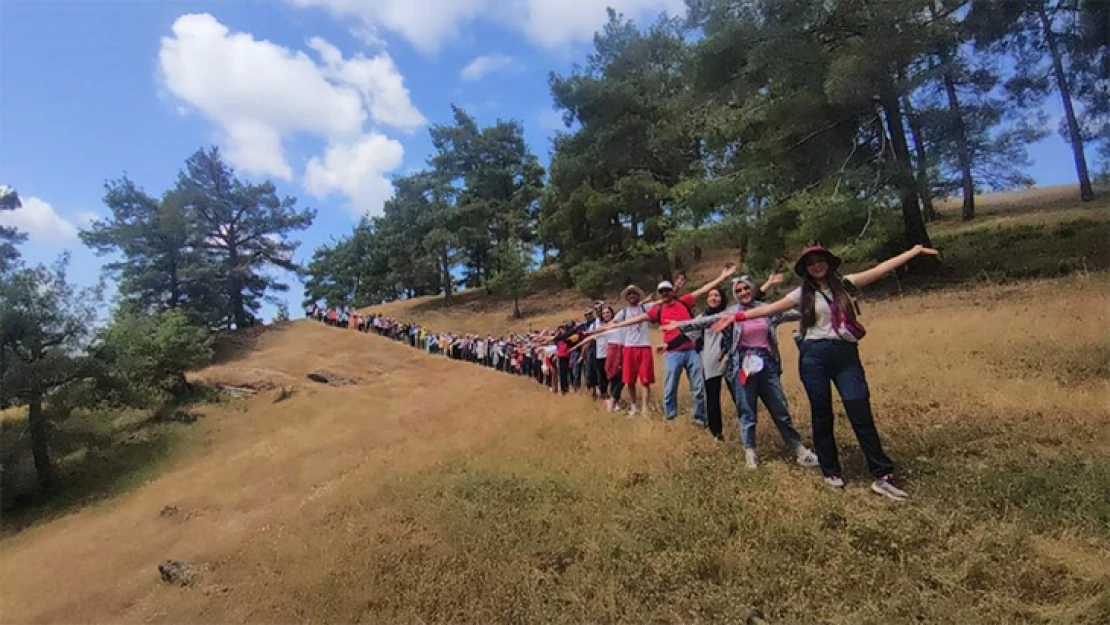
(433, 491)
(437, 492)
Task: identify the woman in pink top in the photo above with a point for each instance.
(754, 370)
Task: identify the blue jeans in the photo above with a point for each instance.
(675, 362)
(765, 385)
(838, 362)
(575, 370)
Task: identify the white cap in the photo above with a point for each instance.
(666, 284)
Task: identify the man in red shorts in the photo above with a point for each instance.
(638, 361)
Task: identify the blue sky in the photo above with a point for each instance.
(328, 98)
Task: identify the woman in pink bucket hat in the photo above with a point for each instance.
(829, 346)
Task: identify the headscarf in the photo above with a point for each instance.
(746, 279)
(719, 308)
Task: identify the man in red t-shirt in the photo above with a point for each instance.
(681, 351)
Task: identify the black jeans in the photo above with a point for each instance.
(564, 373)
(616, 383)
(838, 362)
(713, 405)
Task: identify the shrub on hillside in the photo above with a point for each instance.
(861, 229)
(640, 264)
(144, 357)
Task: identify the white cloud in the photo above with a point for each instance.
(424, 23)
(428, 24)
(85, 218)
(358, 170)
(40, 222)
(554, 23)
(485, 65)
(258, 93)
(377, 80)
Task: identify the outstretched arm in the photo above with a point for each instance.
(766, 310)
(728, 271)
(620, 324)
(698, 323)
(873, 274)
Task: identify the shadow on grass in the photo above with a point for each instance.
(98, 455)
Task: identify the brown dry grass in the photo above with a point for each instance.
(437, 492)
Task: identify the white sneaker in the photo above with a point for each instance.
(806, 458)
(632, 410)
(835, 481)
(886, 488)
(751, 459)
(608, 405)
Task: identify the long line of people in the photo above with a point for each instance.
(731, 347)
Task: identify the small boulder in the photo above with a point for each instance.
(323, 376)
(169, 511)
(176, 572)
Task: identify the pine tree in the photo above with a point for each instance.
(161, 262)
(45, 328)
(9, 237)
(243, 229)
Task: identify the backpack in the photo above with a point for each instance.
(681, 340)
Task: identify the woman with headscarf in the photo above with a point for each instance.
(714, 358)
(829, 345)
(753, 369)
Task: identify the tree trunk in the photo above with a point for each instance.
(963, 150)
(235, 289)
(180, 387)
(516, 306)
(923, 187)
(1086, 192)
(912, 222)
(446, 276)
(40, 445)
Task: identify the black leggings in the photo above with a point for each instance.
(616, 384)
(713, 405)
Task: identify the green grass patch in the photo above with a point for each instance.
(1022, 251)
(98, 455)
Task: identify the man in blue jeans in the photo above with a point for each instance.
(681, 351)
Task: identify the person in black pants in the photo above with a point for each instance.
(714, 358)
(829, 344)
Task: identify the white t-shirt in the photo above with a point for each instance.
(822, 326)
(636, 335)
(601, 341)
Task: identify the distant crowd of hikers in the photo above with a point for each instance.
(731, 346)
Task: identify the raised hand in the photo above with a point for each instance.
(729, 270)
(774, 280)
(670, 325)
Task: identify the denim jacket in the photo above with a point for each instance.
(735, 354)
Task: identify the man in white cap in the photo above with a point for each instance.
(681, 352)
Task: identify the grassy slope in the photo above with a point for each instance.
(437, 492)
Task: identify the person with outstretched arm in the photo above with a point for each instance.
(830, 334)
(681, 353)
(753, 368)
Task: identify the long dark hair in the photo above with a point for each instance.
(844, 297)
